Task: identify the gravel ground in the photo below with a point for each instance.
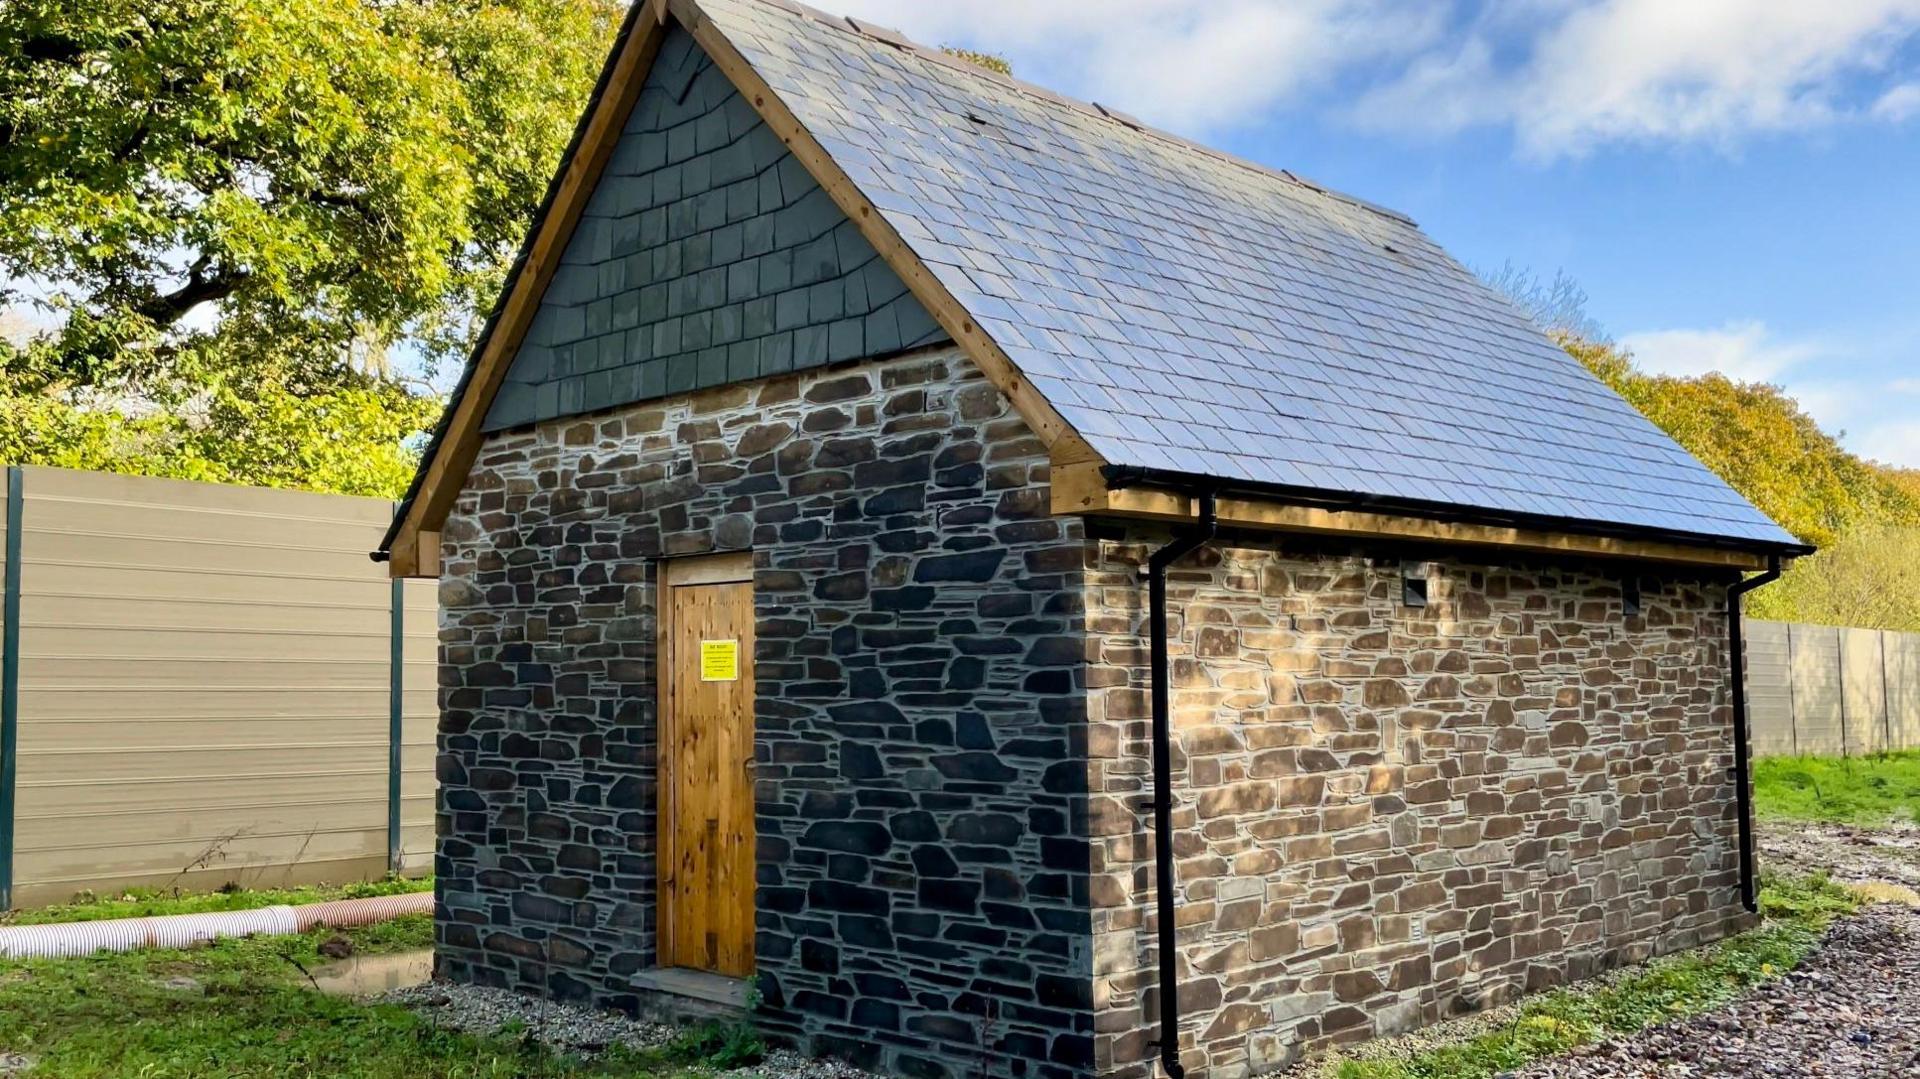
(1890, 854)
(571, 1029)
(1849, 1011)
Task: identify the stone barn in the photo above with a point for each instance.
(1033, 596)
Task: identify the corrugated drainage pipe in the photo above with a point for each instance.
(68, 939)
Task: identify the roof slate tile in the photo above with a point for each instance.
(1189, 311)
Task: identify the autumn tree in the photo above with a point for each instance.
(1864, 516)
(1763, 444)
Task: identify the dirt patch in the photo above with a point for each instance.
(1847, 1011)
(1847, 853)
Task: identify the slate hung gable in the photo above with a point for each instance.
(707, 255)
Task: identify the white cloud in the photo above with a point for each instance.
(1191, 67)
(1656, 70)
(1564, 75)
(1844, 383)
(1899, 103)
(1895, 443)
(1743, 351)
(1894, 439)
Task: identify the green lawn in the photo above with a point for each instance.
(1797, 912)
(1871, 790)
(244, 1009)
(146, 902)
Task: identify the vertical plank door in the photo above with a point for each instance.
(706, 762)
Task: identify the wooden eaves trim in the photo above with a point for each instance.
(414, 552)
(1081, 488)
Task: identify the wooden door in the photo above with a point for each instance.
(706, 764)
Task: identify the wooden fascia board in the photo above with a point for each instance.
(999, 368)
(1080, 489)
(446, 473)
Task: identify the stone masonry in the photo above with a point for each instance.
(920, 716)
(1390, 814)
(1386, 814)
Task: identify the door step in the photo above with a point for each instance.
(700, 985)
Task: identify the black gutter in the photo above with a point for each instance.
(1743, 780)
(1122, 476)
(1182, 544)
(627, 25)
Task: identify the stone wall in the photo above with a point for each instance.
(921, 767)
(1389, 814)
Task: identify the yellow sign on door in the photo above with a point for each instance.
(720, 661)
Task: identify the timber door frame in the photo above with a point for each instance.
(734, 567)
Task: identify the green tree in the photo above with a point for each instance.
(325, 171)
(358, 440)
(1868, 577)
(241, 205)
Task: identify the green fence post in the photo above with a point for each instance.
(396, 678)
(10, 684)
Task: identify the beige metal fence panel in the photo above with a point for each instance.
(1818, 703)
(1769, 688)
(1903, 689)
(421, 722)
(1861, 682)
(1820, 690)
(204, 687)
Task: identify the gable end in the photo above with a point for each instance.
(707, 254)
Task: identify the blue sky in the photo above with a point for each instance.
(1735, 183)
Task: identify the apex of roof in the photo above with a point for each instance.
(1171, 311)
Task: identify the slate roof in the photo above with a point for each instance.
(1189, 312)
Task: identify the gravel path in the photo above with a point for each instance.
(1890, 854)
(1851, 1010)
(571, 1029)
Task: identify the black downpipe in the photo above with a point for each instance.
(1180, 546)
(1743, 779)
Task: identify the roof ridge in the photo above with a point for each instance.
(889, 36)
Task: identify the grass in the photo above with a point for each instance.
(1871, 790)
(249, 1012)
(147, 902)
(1796, 911)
